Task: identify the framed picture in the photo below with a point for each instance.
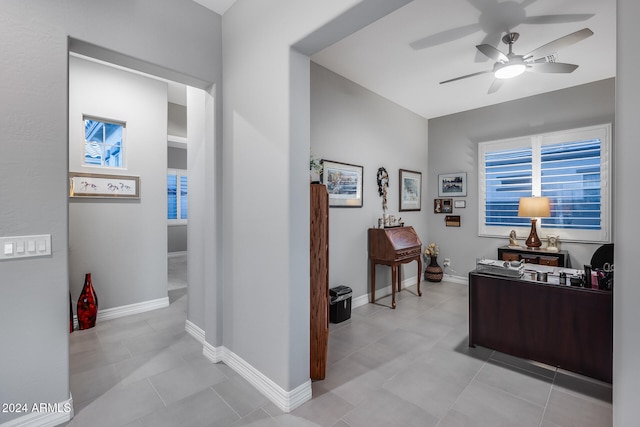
(452, 184)
(459, 204)
(410, 190)
(344, 184)
(452, 220)
(97, 185)
(442, 205)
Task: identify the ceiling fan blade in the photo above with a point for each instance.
(444, 36)
(551, 67)
(557, 19)
(492, 39)
(492, 52)
(497, 84)
(466, 76)
(560, 43)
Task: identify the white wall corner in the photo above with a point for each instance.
(53, 415)
(195, 331)
(214, 354)
(287, 401)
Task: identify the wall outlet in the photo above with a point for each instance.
(446, 263)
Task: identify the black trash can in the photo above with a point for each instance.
(340, 303)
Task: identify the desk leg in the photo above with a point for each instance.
(373, 281)
(394, 273)
(419, 275)
(399, 267)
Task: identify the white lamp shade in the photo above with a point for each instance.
(534, 207)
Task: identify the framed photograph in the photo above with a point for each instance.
(452, 184)
(344, 184)
(442, 205)
(98, 185)
(447, 205)
(459, 204)
(410, 190)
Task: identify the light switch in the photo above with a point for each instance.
(15, 247)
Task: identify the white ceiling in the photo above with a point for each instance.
(405, 55)
(389, 57)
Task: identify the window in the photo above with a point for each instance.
(103, 143)
(571, 167)
(177, 191)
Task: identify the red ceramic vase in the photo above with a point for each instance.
(87, 305)
(70, 314)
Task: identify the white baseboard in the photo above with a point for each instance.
(287, 401)
(456, 279)
(176, 254)
(60, 413)
(364, 299)
(380, 293)
(127, 310)
(193, 330)
(212, 353)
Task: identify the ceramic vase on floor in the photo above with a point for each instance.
(433, 272)
(87, 305)
(70, 314)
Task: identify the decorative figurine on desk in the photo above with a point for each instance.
(513, 242)
(552, 245)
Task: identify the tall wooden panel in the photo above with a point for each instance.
(319, 269)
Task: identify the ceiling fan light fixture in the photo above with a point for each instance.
(509, 70)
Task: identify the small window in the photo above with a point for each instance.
(103, 143)
(177, 196)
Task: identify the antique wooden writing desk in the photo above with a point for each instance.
(393, 247)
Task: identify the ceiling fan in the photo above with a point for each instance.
(540, 60)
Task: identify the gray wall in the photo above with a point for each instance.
(177, 159)
(266, 179)
(121, 242)
(177, 121)
(350, 124)
(34, 163)
(453, 147)
(626, 295)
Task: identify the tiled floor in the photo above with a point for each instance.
(405, 367)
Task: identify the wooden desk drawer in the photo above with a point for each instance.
(547, 260)
(530, 259)
(510, 256)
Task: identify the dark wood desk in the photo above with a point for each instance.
(393, 247)
(563, 326)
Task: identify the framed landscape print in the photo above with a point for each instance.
(344, 184)
(452, 184)
(410, 190)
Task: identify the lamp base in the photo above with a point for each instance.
(533, 241)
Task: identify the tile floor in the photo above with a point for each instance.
(405, 367)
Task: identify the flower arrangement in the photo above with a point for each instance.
(432, 250)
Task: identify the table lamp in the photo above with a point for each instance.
(534, 207)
